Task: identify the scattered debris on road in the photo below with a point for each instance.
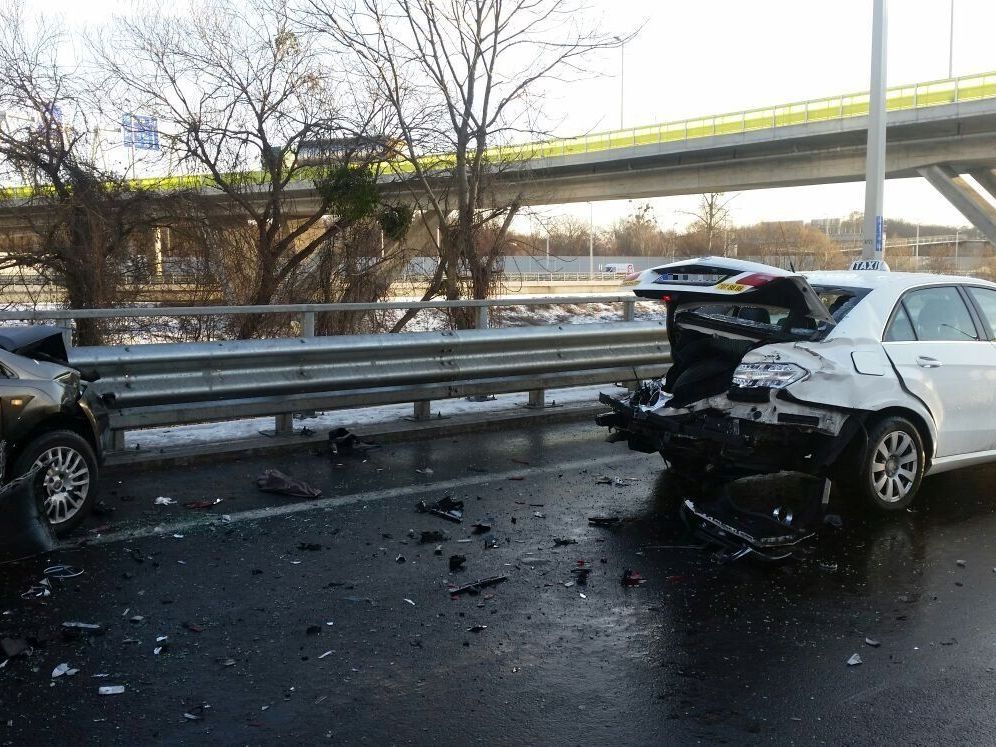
(562, 541)
(872, 642)
(110, 690)
(480, 528)
(476, 586)
(196, 505)
(457, 561)
(342, 441)
(604, 521)
(164, 501)
(275, 481)
(632, 578)
(444, 508)
(854, 660)
(432, 536)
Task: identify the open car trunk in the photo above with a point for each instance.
(720, 308)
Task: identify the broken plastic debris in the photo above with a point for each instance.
(341, 441)
(63, 571)
(607, 480)
(425, 471)
(491, 543)
(457, 561)
(632, 578)
(476, 586)
(399, 559)
(854, 660)
(110, 690)
(82, 627)
(164, 501)
(480, 528)
(539, 515)
(476, 628)
(604, 521)
(432, 536)
(581, 574)
(561, 541)
(960, 563)
(872, 642)
(202, 504)
(445, 508)
(275, 481)
(60, 670)
(410, 602)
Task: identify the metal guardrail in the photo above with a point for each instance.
(307, 312)
(172, 384)
(180, 383)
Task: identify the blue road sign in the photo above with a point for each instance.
(141, 133)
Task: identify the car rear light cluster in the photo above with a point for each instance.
(768, 375)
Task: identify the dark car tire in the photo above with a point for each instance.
(70, 458)
(886, 469)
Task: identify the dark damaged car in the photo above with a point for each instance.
(49, 419)
(873, 378)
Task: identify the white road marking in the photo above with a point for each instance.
(326, 503)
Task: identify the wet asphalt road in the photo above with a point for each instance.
(701, 653)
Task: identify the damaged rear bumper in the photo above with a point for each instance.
(745, 438)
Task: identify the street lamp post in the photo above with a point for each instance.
(873, 228)
(591, 242)
(622, 81)
(951, 43)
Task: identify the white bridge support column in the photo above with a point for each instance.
(964, 197)
(986, 179)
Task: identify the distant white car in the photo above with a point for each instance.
(874, 378)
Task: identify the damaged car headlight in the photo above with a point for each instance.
(768, 375)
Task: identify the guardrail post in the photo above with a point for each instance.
(629, 310)
(483, 317)
(284, 424)
(423, 410)
(537, 399)
(308, 324)
(67, 336)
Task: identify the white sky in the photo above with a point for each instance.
(714, 56)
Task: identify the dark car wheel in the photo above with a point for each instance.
(67, 478)
(887, 469)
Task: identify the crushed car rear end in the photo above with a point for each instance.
(769, 372)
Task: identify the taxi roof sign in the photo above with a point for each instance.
(873, 265)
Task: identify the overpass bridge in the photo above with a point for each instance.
(939, 130)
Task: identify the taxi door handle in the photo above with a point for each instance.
(925, 361)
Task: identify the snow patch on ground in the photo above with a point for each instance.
(208, 433)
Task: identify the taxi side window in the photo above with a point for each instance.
(900, 330)
(986, 300)
(939, 315)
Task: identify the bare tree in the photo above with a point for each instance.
(73, 223)
(639, 233)
(712, 215)
(247, 100)
(461, 78)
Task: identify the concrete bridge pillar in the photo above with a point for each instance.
(964, 197)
